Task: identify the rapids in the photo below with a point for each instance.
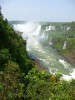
(46, 55)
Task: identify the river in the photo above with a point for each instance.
(45, 54)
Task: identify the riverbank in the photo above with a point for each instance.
(40, 66)
(69, 57)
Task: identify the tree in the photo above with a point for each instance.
(39, 91)
(0, 11)
(4, 57)
(11, 85)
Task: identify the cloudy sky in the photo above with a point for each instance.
(39, 10)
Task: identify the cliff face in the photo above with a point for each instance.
(70, 57)
(61, 36)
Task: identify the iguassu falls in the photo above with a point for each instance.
(39, 46)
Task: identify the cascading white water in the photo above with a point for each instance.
(50, 42)
(29, 29)
(48, 28)
(64, 46)
(47, 56)
(44, 36)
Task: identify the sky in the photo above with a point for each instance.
(39, 10)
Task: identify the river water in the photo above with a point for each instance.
(45, 54)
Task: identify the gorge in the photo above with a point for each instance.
(39, 38)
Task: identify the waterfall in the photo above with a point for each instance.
(48, 28)
(64, 46)
(47, 56)
(53, 27)
(29, 29)
(50, 42)
(43, 36)
(68, 28)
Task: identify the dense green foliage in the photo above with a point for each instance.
(19, 77)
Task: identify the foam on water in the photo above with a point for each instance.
(29, 28)
(70, 76)
(64, 63)
(48, 56)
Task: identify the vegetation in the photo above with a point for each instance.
(69, 37)
(19, 77)
(62, 32)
